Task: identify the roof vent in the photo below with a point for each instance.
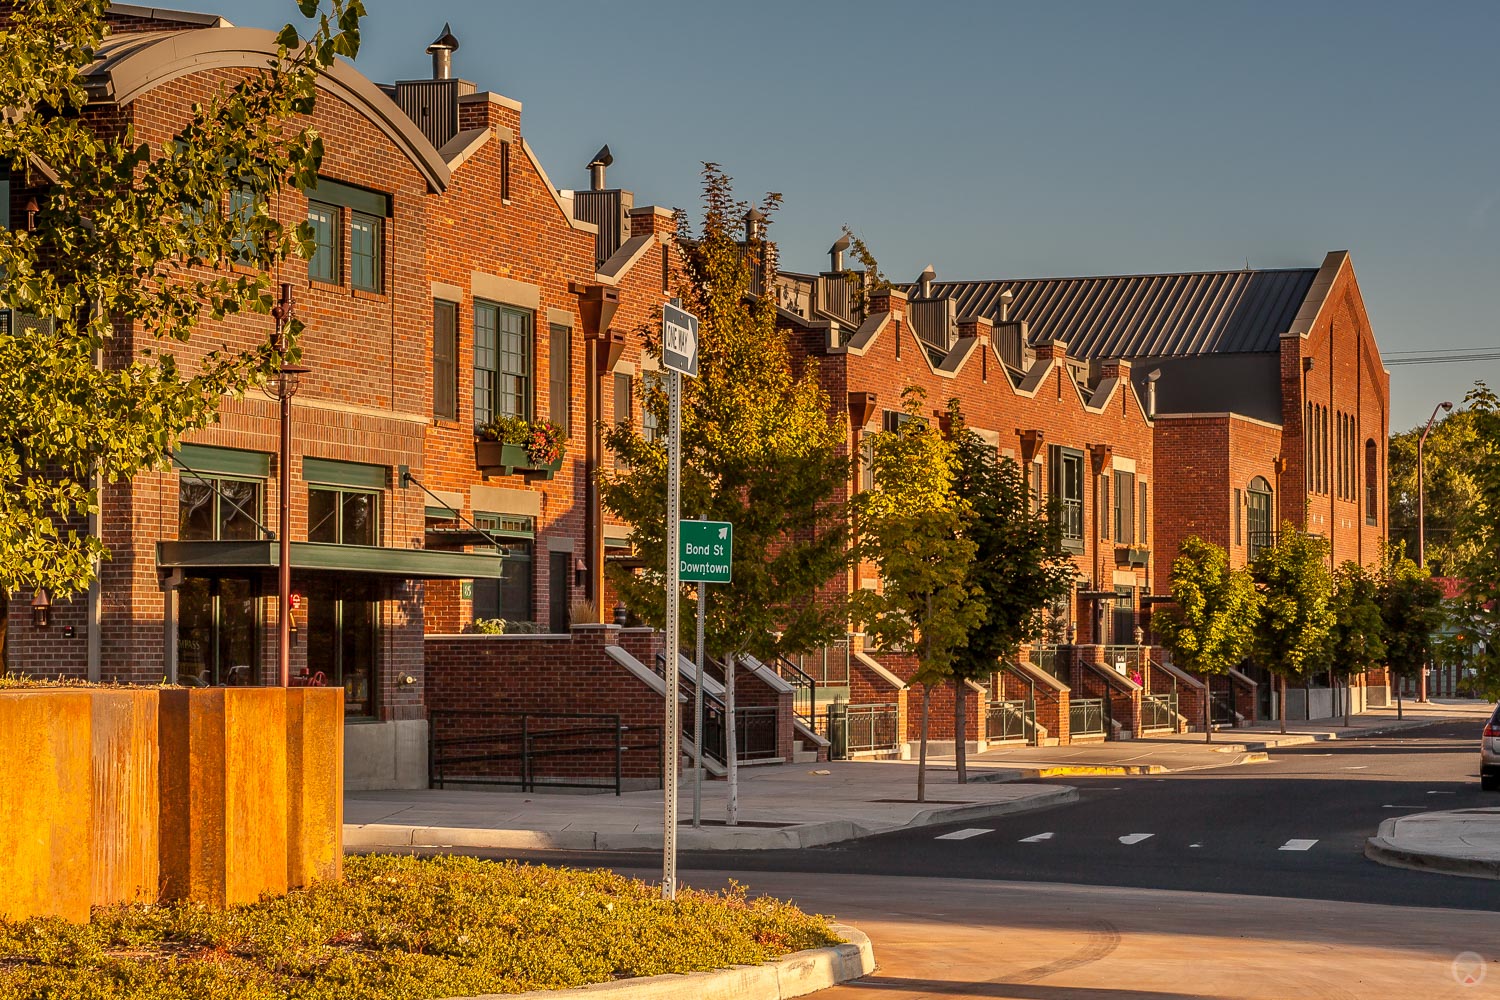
(836, 253)
(924, 280)
(1005, 300)
(755, 225)
(601, 160)
(441, 50)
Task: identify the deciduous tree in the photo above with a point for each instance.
(1019, 564)
(1411, 610)
(129, 234)
(1211, 622)
(1357, 640)
(759, 449)
(1296, 617)
(914, 527)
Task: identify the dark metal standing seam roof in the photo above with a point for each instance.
(1146, 315)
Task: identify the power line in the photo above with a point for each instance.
(1439, 359)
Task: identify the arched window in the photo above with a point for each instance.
(1372, 483)
(1258, 504)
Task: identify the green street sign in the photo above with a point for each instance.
(704, 549)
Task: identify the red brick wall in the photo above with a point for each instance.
(568, 674)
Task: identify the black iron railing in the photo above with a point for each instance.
(1158, 712)
(852, 729)
(828, 666)
(1087, 716)
(804, 689)
(479, 747)
(1010, 720)
(1130, 656)
(755, 732)
(713, 718)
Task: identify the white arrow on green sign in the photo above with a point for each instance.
(704, 550)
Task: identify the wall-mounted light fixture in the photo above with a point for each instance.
(41, 609)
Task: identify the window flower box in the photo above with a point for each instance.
(1131, 555)
(507, 445)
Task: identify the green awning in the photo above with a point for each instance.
(407, 564)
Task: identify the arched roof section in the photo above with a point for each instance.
(128, 65)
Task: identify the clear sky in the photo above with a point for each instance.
(1034, 139)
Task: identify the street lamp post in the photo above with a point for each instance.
(1444, 406)
(282, 388)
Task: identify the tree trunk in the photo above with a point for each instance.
(1282, 711)
(1396, 683)
(4, 631)
(922, 747)
(1208, 709)
(959, 732)
(1348, 697)
(731, 749)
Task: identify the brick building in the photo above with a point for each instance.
(456, 286)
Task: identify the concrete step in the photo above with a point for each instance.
(804, 756)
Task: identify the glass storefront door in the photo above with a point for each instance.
(343, 632)
(218, 625)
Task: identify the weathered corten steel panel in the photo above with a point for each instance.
(315, 784)
(126, 797)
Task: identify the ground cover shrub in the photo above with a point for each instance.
(402, 927)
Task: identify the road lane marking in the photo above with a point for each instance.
(1356, 767)
(1297, 845)
(1135, 838)
(1442, 793)
(1036, 839)
(1402, 807)
(964, 834)
(1195, 845)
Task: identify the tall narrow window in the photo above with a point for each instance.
(242, 213)
(867, 460)
(1067, 484)
(1125, 508)
(1372, 482)
(1037, 500)
(445, 360)
(505, 171)
(624, 389)
(1102, 515)
(1258, 507)
(326, 222)
(1239, 517)
(560, 371)
(366, 241)
(1143, 536)
(651, 382)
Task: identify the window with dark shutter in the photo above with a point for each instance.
(1143, 512)
(560, 369)
(1125, 508)
(445, 360)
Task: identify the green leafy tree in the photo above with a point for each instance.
(1411, 609)
(1211, 622)
(1357, 640)
(1450, 461)
(1477, 612)
(759, 449)
(915, 528)
(1296, 586)
(1019, 565)
(128, 235)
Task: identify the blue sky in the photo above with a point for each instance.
(1033, 139)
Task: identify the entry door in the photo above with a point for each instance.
(1124, 616)
(342, 645)
(559, 564)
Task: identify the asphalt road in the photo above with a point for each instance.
(1293, 827)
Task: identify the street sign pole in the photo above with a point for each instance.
(698, 713)
(669, 730)
(679, 356)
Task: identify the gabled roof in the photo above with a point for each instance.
(1145, 315)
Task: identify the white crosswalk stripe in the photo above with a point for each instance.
(1135, 838)
(1297, 845)
(1036, 838)
(964, 834)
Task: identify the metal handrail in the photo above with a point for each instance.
(1020, 711)
(1159, 711)
(804, 689)
(519, 744)
(714, 713)
(1087, 716)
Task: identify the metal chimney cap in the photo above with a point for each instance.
(754, 215)
(445, 42)
(1007, 295)
(839, 245)
(603, 158)
(929, 273)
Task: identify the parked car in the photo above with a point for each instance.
(1489, 754)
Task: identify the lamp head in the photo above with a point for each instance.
(1446, 405)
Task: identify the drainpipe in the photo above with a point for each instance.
(93, 613)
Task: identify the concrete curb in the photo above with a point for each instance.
(387, 836)
(1382, 849)
(798, 974)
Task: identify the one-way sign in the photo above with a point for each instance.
(679, 340)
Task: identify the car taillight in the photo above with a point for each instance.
(1490, 729)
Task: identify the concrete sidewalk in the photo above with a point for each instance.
(1268, 736)
(780, 807)
(1454, 842)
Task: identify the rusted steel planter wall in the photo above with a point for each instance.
(118, 796)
